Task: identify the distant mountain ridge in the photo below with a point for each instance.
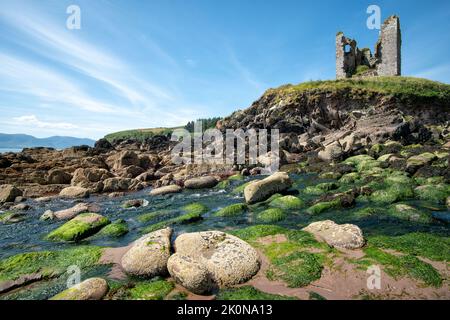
(18, 141)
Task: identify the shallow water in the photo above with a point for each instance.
(29, 234)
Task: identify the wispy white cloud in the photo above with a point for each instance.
(32, 120)
(29, 78)
(143, 99)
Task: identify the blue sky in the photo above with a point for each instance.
(140, 64)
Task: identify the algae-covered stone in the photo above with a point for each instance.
(355, 160)
(367, 165)
(89, 289)
(271, 215)
(195, 208)
(347, 236)
(11, 217)
(249, 293)
(385, 157)
(232, 210)
(287, 203)
(182, 219)
(148, 255)
(80, 227)
(437, 193)
(324, 206)
(263, 189)
(212, 259)
(395, 192)
(47, 263)
(330, 175)
(156, 289)
(415, 162)
(409, 213)
(327, 186)
(114, 230)
(349, 177)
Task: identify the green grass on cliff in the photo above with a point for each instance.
(404, 87)
(138, 134)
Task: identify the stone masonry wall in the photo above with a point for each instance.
(390, 61)
(386, 61)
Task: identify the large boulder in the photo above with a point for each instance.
(346, 236)
(207, 260)
(415, 162)
(85, 177)
(200, 183)
(74, 192)
(123, 159)
(89, 289)
(131, 172)
(80, 227)
(148, 255)
(58, 176)
(120, 184)
(331, 152)
(173, 188)
(263, 189)
(8, 193)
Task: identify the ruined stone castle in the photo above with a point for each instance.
(385, 61)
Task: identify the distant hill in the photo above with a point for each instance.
(18, 141)
(142, 134)
(139, 134)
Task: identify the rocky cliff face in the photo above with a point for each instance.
(326, 120)
(353, 113)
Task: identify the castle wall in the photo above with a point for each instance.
(340, 56)
(385, 62)
(390, 46)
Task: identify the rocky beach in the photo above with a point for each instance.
(363, 183)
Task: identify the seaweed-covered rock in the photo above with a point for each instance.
(263, 189)
(115, 229)
(148, 255)
(210, 259)
(89, 289)
(232, 210)
(437, 193)
(11, 217)
(271, 215)
(323, 206)
(193, 213)
(287, 203)
(347, 236)
(415, 162)
(80, 227)
(200, 183)
(409, 213)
